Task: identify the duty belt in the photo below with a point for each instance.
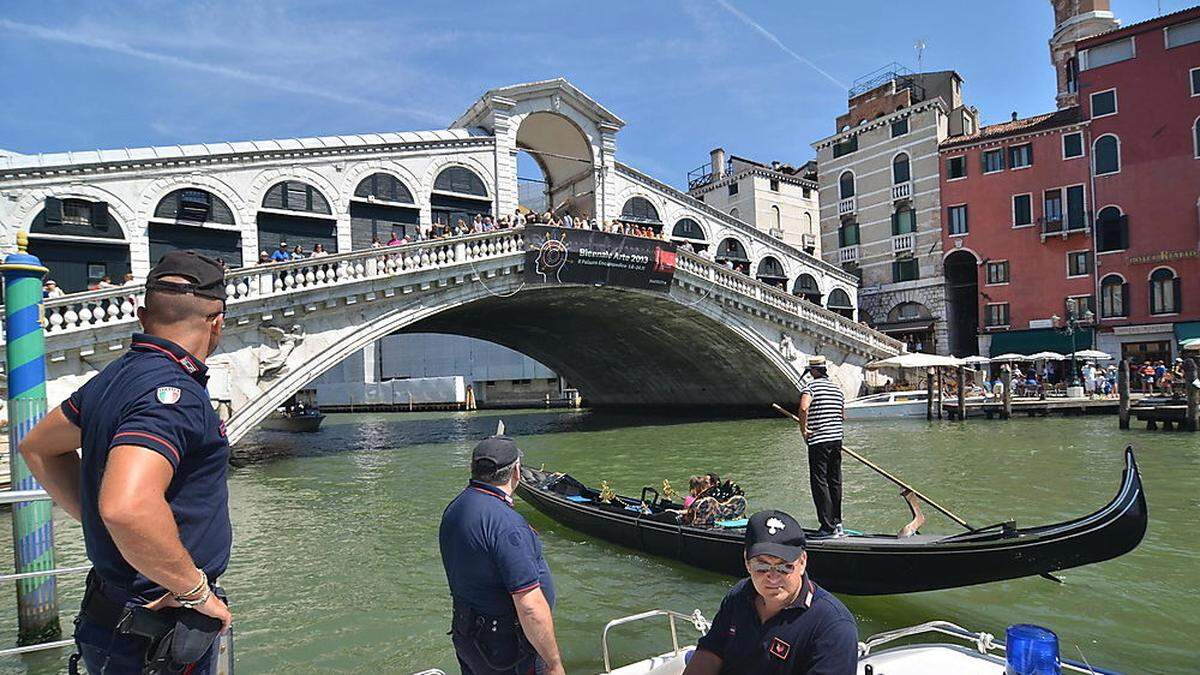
(478, 627)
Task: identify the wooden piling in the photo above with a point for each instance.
(1006, 378)
(1123, 393)
(962, 393)
(929, 394)
(940, 391)
(1191, 419)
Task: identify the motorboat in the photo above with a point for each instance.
(888, 404)
(299, 414)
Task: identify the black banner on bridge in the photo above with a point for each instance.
(576, 256)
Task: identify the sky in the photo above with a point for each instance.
(761, 79)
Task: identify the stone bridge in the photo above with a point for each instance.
(718, 338)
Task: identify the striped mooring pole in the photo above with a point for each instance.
(32, 522)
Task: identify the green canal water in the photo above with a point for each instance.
(336, 568)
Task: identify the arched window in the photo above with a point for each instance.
(1106, 153)
(1112, 230)
(1114, 297)
(93, 246)
(846, 186)
(900, 171)
(384, 187)
(293, 195)
(460, 180)
(839, 301)
(1164, 292)
(908, 311)
(195, 206)
(733, 212)
(687, 228)
(770, 271)
(807, 288)
(776, 218)
(808, 223)
(732, 254)
(640, 210)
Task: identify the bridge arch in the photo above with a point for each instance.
(565, 154)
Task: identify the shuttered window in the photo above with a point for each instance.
(296, 196)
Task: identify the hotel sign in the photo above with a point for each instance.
(1163, 256)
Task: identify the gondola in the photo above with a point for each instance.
(872, 564)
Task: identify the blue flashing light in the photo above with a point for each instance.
(1031, 650)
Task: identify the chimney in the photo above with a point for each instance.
(1014, 116)
(718, 163)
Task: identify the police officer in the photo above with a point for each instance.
(150, 486)
(501, 586)
(778, 620)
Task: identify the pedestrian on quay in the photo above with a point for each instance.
(822, 413)
(499, 581)
(778, 620)
(149, 484)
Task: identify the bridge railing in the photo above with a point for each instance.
(91, 309)
(786, 302)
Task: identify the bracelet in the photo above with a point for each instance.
(192, 604)
(200, 586)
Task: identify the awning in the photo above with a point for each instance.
(1038, 340)
(915, 360)
(1187, 330)
(910, 326)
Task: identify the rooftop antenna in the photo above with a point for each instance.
(920, 47)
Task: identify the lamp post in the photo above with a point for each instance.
(1073, 323)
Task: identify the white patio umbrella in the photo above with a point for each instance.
(915, 360)
(1048, 356)
(1092, 354)
(1010, 357)
(976, 360)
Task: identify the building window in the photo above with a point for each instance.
(1112, 230)
(1114, 297)
(1183, 34)
(1072, 71)
(76, 212)
(1052, 209)
(1196, 138)
(777, 220)
(848, 235)
(1195, 81)
(1106, 152)
(1083, 305)
(904, 221)
(958, 219)
(846, 186)
(845, 147)
(1020, 156)
(461, 180)
(956, 167)
(774, 185)
(996, 314)
(640, 210)
(1072, 145)
(900, 127)
(1120, 50)
(195, 206)
(293, 195)
(993, 161)
(1076, 218)
(384, 187)
(905, 270)
(1164, 292)
(900, 169)
(1079, 263)
(733, 213)
(808, 193)
(1104, 103)
(733, 188)
(997, 272)
(1022, 210)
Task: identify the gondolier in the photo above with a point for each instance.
(778, 620)
(149, 485)
(501, 586)
(822, 414)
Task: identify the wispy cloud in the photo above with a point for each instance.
(292, 86)
(778, 43)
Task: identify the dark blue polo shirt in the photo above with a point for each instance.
(490, 552)
(815, 634)
(154, 397)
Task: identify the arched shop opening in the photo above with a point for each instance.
(459, 194)
(962, 296)
(196, 219)
(911, 323)
(807, 288)
(689, 232)
(770, 271)
(382, 206)
(555, 171)
(297, 213)
(79, 242)
(839, 301)
(640, 211)
(732, 254)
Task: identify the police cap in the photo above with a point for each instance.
(205, 278)
(494, 452)
(774, 533)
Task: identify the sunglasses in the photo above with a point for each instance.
(778, 568)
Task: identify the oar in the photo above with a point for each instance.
(883, 472)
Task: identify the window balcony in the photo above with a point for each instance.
(848, 254)
(847, 206)
(904, 243)
(902, 191)
(1063, 227)
(808, 242)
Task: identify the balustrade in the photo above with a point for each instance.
(847, 205)
(901, 191)
(904, 243)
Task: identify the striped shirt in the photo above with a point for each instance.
(825, 410)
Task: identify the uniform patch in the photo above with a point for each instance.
(780, 649)
(168, 395)
(514, 539)
(188, 365)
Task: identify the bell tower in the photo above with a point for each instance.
(1075, 20)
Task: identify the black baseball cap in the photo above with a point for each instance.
(495, 452)
(774, 533)
(205, 278)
